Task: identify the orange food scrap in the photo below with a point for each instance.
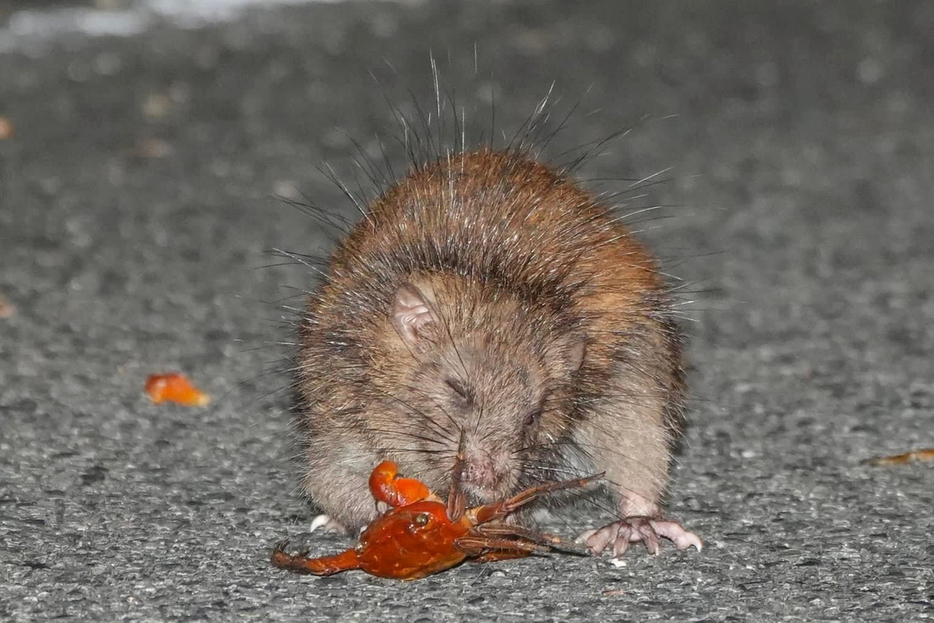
(6, 128)
(175, 388)
(7, 309)
(920, 456)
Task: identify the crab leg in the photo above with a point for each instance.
(477, 546)
(549, 540)
(457, 505)
(498, 510)
(317, 566)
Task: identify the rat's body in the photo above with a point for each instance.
(490, 294)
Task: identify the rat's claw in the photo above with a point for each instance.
(597, 540)
(327, 524)
(641, 529)
(677, 534)
(633, 529)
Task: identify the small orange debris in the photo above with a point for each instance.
(7, 309)
(920, 456)
(175, 388)
(6, 128)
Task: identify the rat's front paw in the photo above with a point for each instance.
(326, 524)
(632, 529)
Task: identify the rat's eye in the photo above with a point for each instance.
(459, 389)
(532, 416)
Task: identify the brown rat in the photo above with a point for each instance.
(490, 294)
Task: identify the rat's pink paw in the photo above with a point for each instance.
(633, 529)
(325, 523)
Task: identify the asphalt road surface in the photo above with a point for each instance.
(141, 150)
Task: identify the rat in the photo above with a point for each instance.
(487, 295)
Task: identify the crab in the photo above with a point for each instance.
(420, 535)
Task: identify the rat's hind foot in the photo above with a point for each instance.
(632, 529)
(325, 523)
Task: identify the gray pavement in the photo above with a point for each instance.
(136, 204)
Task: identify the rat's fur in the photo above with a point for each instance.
(489, 293)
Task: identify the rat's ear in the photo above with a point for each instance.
(410, 313)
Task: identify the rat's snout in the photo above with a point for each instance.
(481, 472)
(480, 469)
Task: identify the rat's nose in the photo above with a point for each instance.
(481, 470)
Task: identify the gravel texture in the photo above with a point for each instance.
(137, 204)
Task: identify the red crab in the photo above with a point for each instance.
(419, 535)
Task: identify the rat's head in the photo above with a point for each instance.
(483, 364)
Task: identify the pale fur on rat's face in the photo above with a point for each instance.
(508, 393)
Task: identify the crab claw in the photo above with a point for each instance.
(316, 566)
